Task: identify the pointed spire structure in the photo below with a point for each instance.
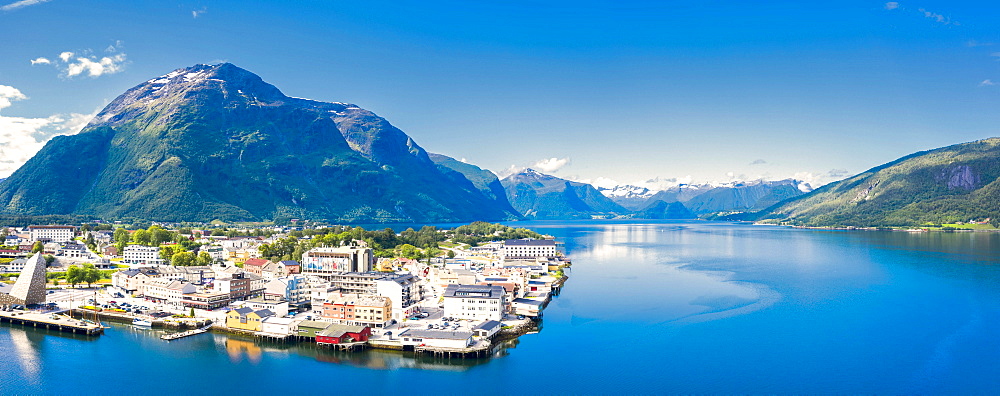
(30, 285)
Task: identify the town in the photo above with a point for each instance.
(444, 292)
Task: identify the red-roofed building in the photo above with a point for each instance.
(254, 266)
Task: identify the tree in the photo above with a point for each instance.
(49, 259)
(192, 312)
(37, 247)
(73, 275)
(409, 251)
(89, 274)
(167, 252)
(157, 235)
(142, 237)
(451, 254)
(204, 259)
(183, 259)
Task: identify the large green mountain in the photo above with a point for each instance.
(954, 183)
(541, 196)
(217, 142)
(482, 179)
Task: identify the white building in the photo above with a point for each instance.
(279, 326)
(436, 338)
(528, 248)
(325, 261)
(138, 254)
(52, 233)
(474, 302)
(168, 291)
(404, 293)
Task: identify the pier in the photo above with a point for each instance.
(52, 322)
(175, 336)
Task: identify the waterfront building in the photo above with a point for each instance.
(247, 318)
(205, 300)
(359, 309)
(292, 288)
(526, 307)
(167, 291)
(340, 334)
(52, 233)
(403, 290)
(436, 338)
(278, 326)
(278, 307)
(528, 249)
(310, 328)
(237, 285)
(30, 285)
(487, 329)
(474, 302)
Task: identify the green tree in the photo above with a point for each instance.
(49, 259)
(37, 247)
(204, 259)
(142, 237)
(192, 312)
(409, 251)
(451, 254)
(89, 274)
(73, 275)
(157, 235)
(183, 259)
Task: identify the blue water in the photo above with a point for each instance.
(658, 307)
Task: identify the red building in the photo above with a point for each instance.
(341, 334)
(254, 266)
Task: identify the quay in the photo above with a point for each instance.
(183, 334)
(52, 322)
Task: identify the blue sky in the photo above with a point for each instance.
(619, 90)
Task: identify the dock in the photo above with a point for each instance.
(52, 322)
(175, 336)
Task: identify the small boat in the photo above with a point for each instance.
(141, 322)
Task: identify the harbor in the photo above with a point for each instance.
(52, 321)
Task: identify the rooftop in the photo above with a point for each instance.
(437, 334)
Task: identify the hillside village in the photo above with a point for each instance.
(350, 288)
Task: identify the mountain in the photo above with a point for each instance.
(665, 210)
(217, 142)
(628, 196)
(484, 180)
(541, 196)
(945, 185)
(744, 196)
(748, 196)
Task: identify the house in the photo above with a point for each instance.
(279, 326)
(310, 328)
(526, 307)
(247, 319)
(291, 267)
(278, 307)
(292, 288)
(487, 329)
(436, 338)
(359, 309)
(474, 302)
(254, 266)
(133, 279)
(207, 301)
(341, 334)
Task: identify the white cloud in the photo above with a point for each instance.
(19, 4)
(197, 13)
(938, 17)
(74, 64)
(22, 137)
(94, 67)
(550, 165)
(758, 162)
(8, 95)
(892, 5)
(987, 83)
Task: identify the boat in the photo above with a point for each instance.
(141, 322)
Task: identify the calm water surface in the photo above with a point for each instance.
(661, 307)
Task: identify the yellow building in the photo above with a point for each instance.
(247, 319)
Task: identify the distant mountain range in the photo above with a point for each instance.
(702, 199)
(539, 196)
(945, 185)
(217, 142)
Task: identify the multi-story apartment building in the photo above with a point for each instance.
(52, 233)
(138, 254)
(474, 302)
(529, 248)
(325, 261)
(359, 310)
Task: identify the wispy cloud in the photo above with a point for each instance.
(85, 63)
(197, 13)
(21, 4)
(892, 5)
(758, 162)
(22, 137)
(938, 17)
(987, 83)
